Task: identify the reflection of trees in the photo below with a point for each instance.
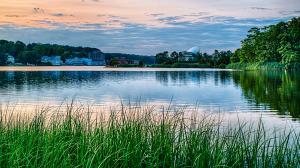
(60, 78)
(19, 80)
(196, 77)
(278, 89)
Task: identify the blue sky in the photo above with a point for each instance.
(140, 26)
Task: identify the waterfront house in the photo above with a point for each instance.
(135, 62)
(97, 57)
(10, 59)
(190, 54)
(53, 60)
(79, 61)
(122, 60)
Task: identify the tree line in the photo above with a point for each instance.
(218, 59)
(32, 53)
(278, 43)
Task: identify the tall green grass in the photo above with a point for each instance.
(140, 137)
(257, 66)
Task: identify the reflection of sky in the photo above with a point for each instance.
(211, 92)
(142, 27)
(209, 89)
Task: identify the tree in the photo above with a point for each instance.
(174, 56)
(30, 57)
(163, 58)
(113, 62)
(235, 56)
(3, 58)
(141, 63)
(275, 43)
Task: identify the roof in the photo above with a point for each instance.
(194, 50)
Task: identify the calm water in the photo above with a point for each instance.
(273, 95)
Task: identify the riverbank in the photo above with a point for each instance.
(262, 66)
(175, 65)
(140, 137)
(181, 65)
(97, 68)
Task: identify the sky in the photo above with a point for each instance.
(140, 26)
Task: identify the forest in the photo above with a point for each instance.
(32, 53)
(279, 43)
(218, 59)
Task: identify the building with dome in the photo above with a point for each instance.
(190, 54)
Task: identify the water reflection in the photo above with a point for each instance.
(226, 90)
(280, 90)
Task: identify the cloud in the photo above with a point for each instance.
(259, 8)
(290, 13)
(38, 10)
(15, 16)
(156, 14)
(139, 39)
(91, 26)
(91, 0)
(170, 19)
(197, 14)
(58, 14)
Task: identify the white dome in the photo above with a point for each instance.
(194, 50)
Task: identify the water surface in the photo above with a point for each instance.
(273, 95)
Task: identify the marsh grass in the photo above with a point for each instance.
(140, 137)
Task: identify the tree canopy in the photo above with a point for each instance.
(275, 43)
(33, 52)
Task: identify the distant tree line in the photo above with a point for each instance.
(32, 53)
(217, 59)
(112, 57)
(276, 43)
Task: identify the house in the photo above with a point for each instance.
(53, 60)
(87, 61)
(121, 60)
(79, 61)
(10, 59)
(74, 61)
(97, 57)
(135, 62)
(190, 54)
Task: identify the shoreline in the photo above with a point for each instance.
(101, 68)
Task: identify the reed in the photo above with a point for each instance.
(140, 137)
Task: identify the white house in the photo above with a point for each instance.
(190, 54)
(10, 59)
(53, 60)
(79, 61)
(98, 58)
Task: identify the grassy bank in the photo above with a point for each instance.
(139, 137)
(263, 66)
(181, 65)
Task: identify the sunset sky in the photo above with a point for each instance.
(140, 26)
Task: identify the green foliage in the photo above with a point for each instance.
(139, 137)
(181, 65)
(164, 58)
(219, 59)
(113, 62)
(277, 89)
(3, 58)
(276, 43)
(257, 65)
(32, 53)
